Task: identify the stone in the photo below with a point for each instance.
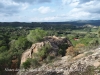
(54, 43)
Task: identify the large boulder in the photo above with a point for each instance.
(54, 43)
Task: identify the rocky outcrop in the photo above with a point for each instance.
(70, 66)
(54, 43)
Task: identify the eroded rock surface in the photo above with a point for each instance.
(53, 41)
(65, 66)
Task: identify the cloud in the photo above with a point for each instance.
(79, 15)
(1, 5)
(31, 1)
(69, 2)
(49, 18)
(91, 7)
(66, 2)
(81, 10)
(43, 10)
(72, 9)
(45, 19)
(24, 6)
(87, 9)
(42, 1)
(85, 1)
(8, 7)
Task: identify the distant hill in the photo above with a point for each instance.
(39, 24)
(93, 22)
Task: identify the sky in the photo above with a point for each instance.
(49, 10)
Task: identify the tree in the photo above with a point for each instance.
(22, 43)
(2, 42)
(36, 35)
(3, 48)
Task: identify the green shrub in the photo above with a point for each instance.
(62, 49)
(43, 52)
(49, 59)
(36, 35)
(26, 64)
(31, 63)
(3, 48)
(35, 63)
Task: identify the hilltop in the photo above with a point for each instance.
(87, 63)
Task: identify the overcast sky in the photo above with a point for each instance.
(48, 10)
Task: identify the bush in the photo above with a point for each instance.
(74, 51)
(22, 43)
(31, 63)
(71, 51)
(43, 52)
(36, 35)
(94, 42)
(62, 49)
(34, 63)
(80, 45)
(3, 48)
(26, 64)
(49, 59)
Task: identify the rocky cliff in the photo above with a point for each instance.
(53, 41)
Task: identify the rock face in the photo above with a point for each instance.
(65, 66)
(54, 43)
